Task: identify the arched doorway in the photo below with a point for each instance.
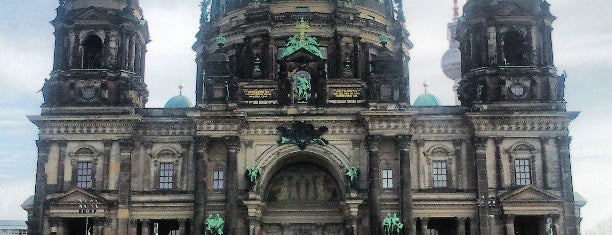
(302, 198)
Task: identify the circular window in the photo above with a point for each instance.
(517, 89)
(89, 92)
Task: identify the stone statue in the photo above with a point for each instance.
(392, 224)
(252, 175)
(352, 174)
(561, 86)
(214, 225)
(301, 88)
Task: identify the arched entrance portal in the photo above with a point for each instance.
(302, 198)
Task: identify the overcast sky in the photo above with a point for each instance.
(582, 44)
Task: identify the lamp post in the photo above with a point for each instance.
(87, 208)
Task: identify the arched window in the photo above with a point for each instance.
(167, 165)
(92, 52)
(84, 164)
(514, 48)
(440, 160)
(522, 159)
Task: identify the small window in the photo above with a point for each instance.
(302, 9)
(522, 173)
(233, 21)
(84, 174)
(218, 180)
(387, 178)
(439, 174)
(166, 175)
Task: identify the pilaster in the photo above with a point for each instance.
(201, 175)
(403, 146)
(373, 144)
(232, 144)
(567, 190)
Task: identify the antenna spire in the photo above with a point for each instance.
(455, 9)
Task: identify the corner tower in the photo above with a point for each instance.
(99, 57)
(507, 57)
(252, 53)
(515, 95)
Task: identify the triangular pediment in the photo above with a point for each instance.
(92, 14)
(512, 9)
(75, 196)
(529, 193)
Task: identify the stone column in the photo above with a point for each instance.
(61, 165)
(498, 163)
(182, 227)
(403, 145)
(509, 222)
(461, 226)
(131, 52)
(232, 144)
(373, 144)
(567, 188)
(182, 180)
(108, 144)
(424, 229)
(125, 166)
(146, 226)
(473, 226)
(200, 189)
(133, 227)
(483, 184)
(543, 152)
(36, 221)
(459, 164)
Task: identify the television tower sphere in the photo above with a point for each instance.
(451, 63)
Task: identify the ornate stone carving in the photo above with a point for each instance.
(232, 143)
(302, 134)
(373, 142)
(403, 142)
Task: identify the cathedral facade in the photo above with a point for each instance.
(302, 125)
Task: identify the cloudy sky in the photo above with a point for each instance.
(582, 43)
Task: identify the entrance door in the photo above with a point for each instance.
(303, 199)
(527, 225)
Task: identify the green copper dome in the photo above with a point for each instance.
(179, 101)
(427, 99)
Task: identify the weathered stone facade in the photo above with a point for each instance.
(337, 101)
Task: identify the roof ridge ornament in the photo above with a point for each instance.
(302, 41)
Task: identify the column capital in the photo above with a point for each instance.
(201, 143)
(373, 142)
(62, 143)
(107, 144)
(480, 143)
(232, 143)
(185, 145)
(403, 142)
(126, 145)
(43, 146)
(509, 219)
(498, 140)
(457, 144)
(563, 141)
(545, 138)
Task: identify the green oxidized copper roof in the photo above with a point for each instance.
(426, 99)
(179, 101)
(301, 41)
(579, 200)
